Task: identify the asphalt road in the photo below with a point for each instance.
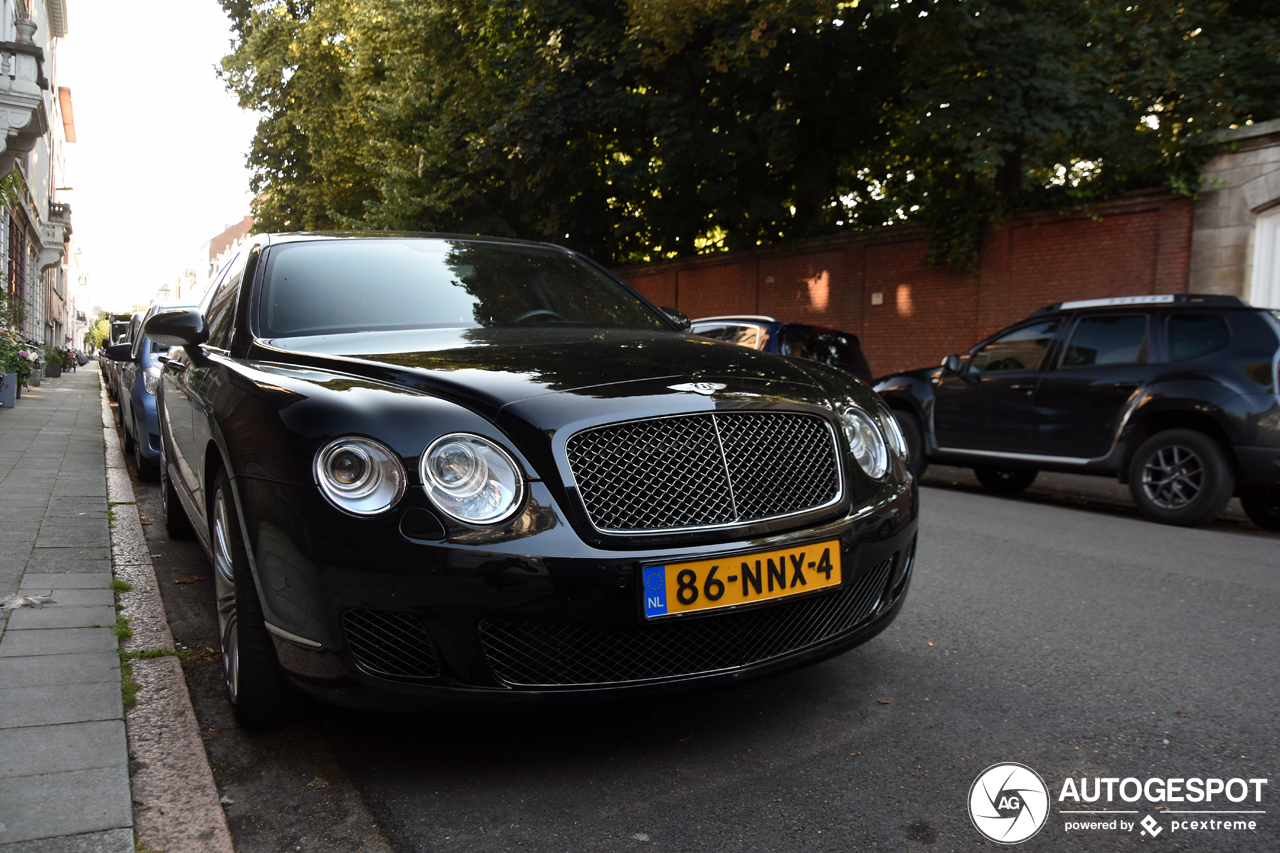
(1057, 630)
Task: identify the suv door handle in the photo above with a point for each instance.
(1023, 389)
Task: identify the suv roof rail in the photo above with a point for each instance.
(1157, 299)
(760, 317)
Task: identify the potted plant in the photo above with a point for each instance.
(9, 363)
(52, 363)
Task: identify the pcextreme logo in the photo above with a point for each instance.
(1010, 802)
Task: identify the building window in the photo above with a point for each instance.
(17, 259)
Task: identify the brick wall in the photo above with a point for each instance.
(1139, 244)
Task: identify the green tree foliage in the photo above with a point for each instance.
(643, 129)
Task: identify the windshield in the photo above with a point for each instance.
(335, 286)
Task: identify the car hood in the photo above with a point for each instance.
(488, 370)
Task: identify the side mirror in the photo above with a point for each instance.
(177, 327)
(678, 317)
(120, 352)
(952, 364)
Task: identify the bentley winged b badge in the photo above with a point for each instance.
(706, 389)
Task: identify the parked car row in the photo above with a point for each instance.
(131, 371)
(450, 469)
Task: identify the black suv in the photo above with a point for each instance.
(1177, 395)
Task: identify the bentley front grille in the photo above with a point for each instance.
(389, 644)
(566, 654)
(707, 470)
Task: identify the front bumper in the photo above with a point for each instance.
(544, 615)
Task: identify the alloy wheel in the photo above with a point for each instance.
(225, 588)
(1173, 476)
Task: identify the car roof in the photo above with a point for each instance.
(1208, 299)
(759, 318)
(281, 237)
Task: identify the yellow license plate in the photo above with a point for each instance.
(731, 581)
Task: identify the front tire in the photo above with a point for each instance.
(1005, 481)
(1180, 477)
(259, 695)
(1263, 506)
(914, 436)
(148, 471)
(176, 522)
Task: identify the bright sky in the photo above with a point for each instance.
(158, 165)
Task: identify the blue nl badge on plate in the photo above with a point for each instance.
(655, 591)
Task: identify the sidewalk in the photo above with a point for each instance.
(65, 738)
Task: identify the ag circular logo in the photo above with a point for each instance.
(1008, 803)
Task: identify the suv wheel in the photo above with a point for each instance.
(1263, 507)
(1005, 481)
(1180, 476)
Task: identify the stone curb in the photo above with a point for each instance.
(175, 800)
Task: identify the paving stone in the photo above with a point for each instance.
(76, 596)
(70, 580)
(38, 750)
(59, 703)
(81, 559)
(82, 532)
(44, 670)
(58, 641)
(62, 804)
(109, 841)
(58, 615)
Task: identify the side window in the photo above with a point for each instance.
(1021, 349)
(829, 348)
(1107, 340)
(222, 307)
(1195, 335)
(734, 333)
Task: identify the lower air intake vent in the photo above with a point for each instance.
(390, 645)
(554, 654)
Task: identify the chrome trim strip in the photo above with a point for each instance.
(291, 637)
(1022, 457)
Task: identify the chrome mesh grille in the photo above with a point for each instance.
(553, 654)
(390, 644)
(704, 470)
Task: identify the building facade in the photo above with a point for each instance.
(36, 123)
(1236, 248)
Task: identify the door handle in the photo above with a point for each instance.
(1023, 389)
(176, 366)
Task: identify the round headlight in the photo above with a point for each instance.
(866, 442)
(359, 475)
(893, 431)
(471, 478)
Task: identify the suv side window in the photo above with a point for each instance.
(222, 307)
(1196, 335)
(1107, 340)
(1021, 349)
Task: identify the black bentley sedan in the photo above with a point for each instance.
(433, 469)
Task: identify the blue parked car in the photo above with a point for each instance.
(137, 369)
